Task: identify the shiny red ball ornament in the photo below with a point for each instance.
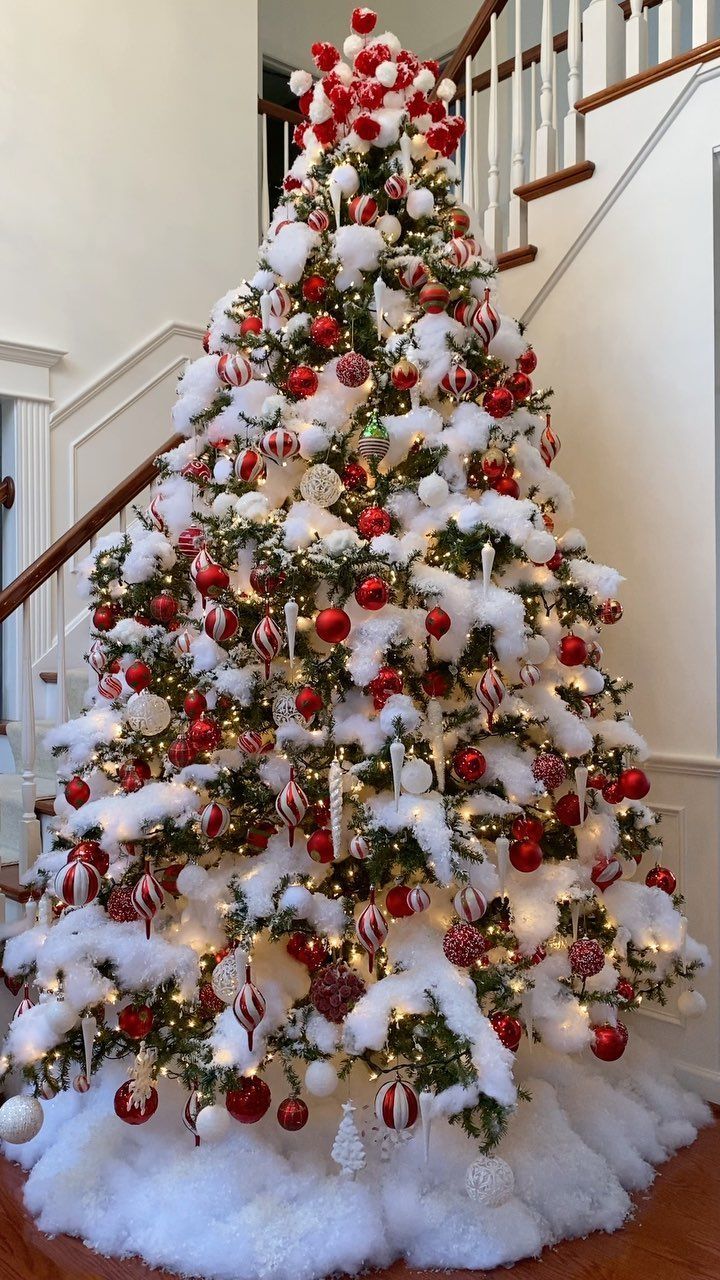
(265, 581)
(194, 705)
(308, 702)
(587, 957)
(307, 950)
(105, 617)
(352, 369)
(325, 331)
(292, 1114)
(612, 792)
(92, 852)
(572, 651)
(77, 792)
(596, 781)
(498, 402)
(609, 1042)
(133, 1112)
(610, 612)
(205, 733)
(164, 608)
(661, 878)
(314, 288)
(528, 828)
(212, 581)
(635, 784)
(138, 675)
(372, 594)
(251, 324)
(354, 477)
(397, 902)
(527, 362)
(333, 625)
(373, 522)
(320, 846)
(436, 682)
(555, 561)
(302, 382)
(120, 905)
(519, 386)
(549, 769)
(168, 878)
(469, 764)
(248, 1102)
(404, 375)
(525, 855)
(567, 810)
(493, 463)
(181, 752)
(437, 623)
(464, 945)
(507, 1029)
(384, 685)
(136, 1021)
(133, 775)
(507, 486)
(625, 991)
(210, 1004)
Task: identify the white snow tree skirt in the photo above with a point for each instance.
(266, 1203)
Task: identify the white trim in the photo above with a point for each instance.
(705, 1080)
(702, 766)
(27, 353)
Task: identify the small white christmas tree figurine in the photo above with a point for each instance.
(348, 1150)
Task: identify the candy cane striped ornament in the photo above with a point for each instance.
(214, 820)
(97, 657)
(490, 692)
(147, 898)
(605, 872)
(249, 1007)
(154, 514)
(203, 560)
(470, 904)
(433, 298)
(459, 252)
(25, 1004)
(396, 186)
(397, 1105)
(266, 641)
(250, 743)
(485, 321)
(77, 883)
(318, 220)
(109, 686)
(183, 641)
(359, 849)
(280, 445)
(280, 303)
(363, 210)
(190, 1114)
(413, 275)
(190, 541)
(459, 380)
(371, 929)
(530, 674)
(249, 466)
(221, 623)
(418, 900)
(234, 371)
(291, 805)
(549, 443)
(465, 309)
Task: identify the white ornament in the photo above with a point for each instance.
(691, 1004)
(539, 546)
(416, 777)
(433, 490)
(446, 90)
(224, 980)
(420, 203)
(335, 791)
(21, 1118)
(148, 713)
(89, 1030)
(488, 560)
(390, 227)
(321, 1079)
(490, 1181)
(537, 649)
(291, 616)
(387, 74)
(436, 738)
(284, 710)
(397, 757)
(502, 855)
(589, 680)
(321, 485)
(348, 1150)
(212, 1123)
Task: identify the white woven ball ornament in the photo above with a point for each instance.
(148, 713)
(490, 1181)
(212, 1123)
(224, 981)
(284, 710)
(416, 777)
(321, 485)
(21, 1119)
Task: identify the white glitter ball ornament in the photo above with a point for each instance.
(321, 485)
(148, 713)
(21, 1119)
(224, 980)
(490, 1181)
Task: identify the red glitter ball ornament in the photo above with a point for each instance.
(661, 878)
(314, 288)
(249, 1101)
(138, 675)
(437, 623)
(372, 594)
(498, 402)
(307, 950)
(264, 581)
(302, 382)
(567, 810)
(507, 1029)
(292, 1114)
(333, 625)
(77, 792)
(625, 991)
(120, 906)
(586, 957)
(609, 1042)
(325, 331)
(464, 945)
(525, 855)
(527, 362)
(373, 522)
(572, 651)
(549, 769)
(136, 1021)
(210, 1004)
(635, 784)
(613, 793)
(205, 734)
(384, 685)
(469, 764)
(352, 369)
(133, 775)
(92, 852)
(133, 1112)
(354, 477)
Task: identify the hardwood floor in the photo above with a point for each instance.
(674, 1236)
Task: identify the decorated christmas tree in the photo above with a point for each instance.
(355, 807)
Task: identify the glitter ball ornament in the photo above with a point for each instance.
(372, 594)
(612, 792)
(635, 784)
(120, 905)
(292, 1114)
(355, 477)
(21, 1119)
(549, 769)
(404, 375)
(104, 617)
(76, 792)
(567, 810)
(332, 625)
(609, 1042)
(528, 828)
(464, 945)
(507, 1029)
(397, 1105)
(498, 402)
(147, 713)
(490, 1181)
(374, 440)
(625, 991)
(249, 1100)
(468, 764)
(205, 733)
(314, 288)
(525, 855)
(352, 369)
(373, 522)
(384, 685)
(210, 1004)
(307, 950)
(335, 990)
(661, 878)
(325, 331)
(610, 612)
(527, 362)
(92, 852)
(586, 957)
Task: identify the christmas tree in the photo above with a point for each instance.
(354, 793)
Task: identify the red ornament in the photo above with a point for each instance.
(92, 852)
(325, 331)
(134, 1112)
(597, 781)
(525, 855)
(397, 901)
(210, 1003)
(572, 651)
(314, 288)
(433, 298)
(437, 623)
(214, 820)
(459, 220)
(136, 1021)
(661, 878)
(527, 362)
(507, 486)
(397, 1105)
(292, 1114)
(249, 465)
(464, 945)
(605, 872)
(308, 702)
(625, 991)
(320, 846)
(352, 369)
(436, 683)
(507, 1029)
(194, 705)
(404, 375)
(164, 608)
(384, 685)
(105, 617)
(120, 905)
(168, 878)
(181, 752)
(363, 21)
(493, 464)
(354, 477)
(335, 990)
(221, 623)
(372, 594)
(498, 402)
(248, 1102)
(212, 581)
(373, 522)
(567, 810)
(307, 950)
(333, 625)
(527, 828)
(190, 541)
(197, 471)
(302, 382)
(469, 764)
(205, 733)
(554, 563)
(520, 386)
(609, 1042)
(586, 957)
(251, 324)
(134, 775)
(138, 675)
(610, 612)
(77, 792)
(265, 581)
(363, 210)
(549, 769)
(635, 784)
(613, 793)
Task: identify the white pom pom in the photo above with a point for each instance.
(537, 649)
(321, 1079)
(433, 490)
(320, 107)
(420, 202)
(390, 227)
(424, 80)
(387, 74)
(446, 90)
(343, 72)
(352, 46)
(691, 1004)
(296, 898)
(222, 504)
(345, 178)
(539, 546)
(60, 1016)
(21, 1118)
(490, 1181)
(212, 1123)
(589, 681)
(272, 405)
(390, 39)
(300, 82)
(253, 506)
(222, 470)
(192, 880)
(416, 777)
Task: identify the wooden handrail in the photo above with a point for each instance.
(276, 112)
(65, 547)
(474, 38)
(692, 57)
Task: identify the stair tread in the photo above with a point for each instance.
(557, 181)
(50, 677)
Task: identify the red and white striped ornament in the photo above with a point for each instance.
(234, 371)
(359, 848)
(549, 443)
(485, 321)
(291, 805)
(414, 274)
(605, 872)
(191, 541)
(221, 623)
(279, 444)
(280, 303)
(109, 686)
(97, 657)
(183, 641)
(25, 1004)
(147, 898)
(318, 220)
(81, 1084)
(465, 309)
(197, 470)
(363, 210)
(154, 514)
(418, 900)
(190, 1114)
(459, 380)
(203, 560)
(433, 298)
(397, 1105)
(249, 1007)
(249, 466)
(77, 883)
(396, 186)
(266, 641)
(459, 251)
(250, 743)
(470, 904)
(371, 929)
(214, 820)
(490, 692)
(530, 674)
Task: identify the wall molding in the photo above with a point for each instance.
(699, 766)
(28, 353)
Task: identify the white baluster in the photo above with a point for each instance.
(264, 180)
(62, 708)
(468, 180)
(703, 22)
(533, 121)
(493, 225)
(477, 176)
(517, 233)
(636, 39)
(30, 830)
(554, 94)
(122, 519)
(286, 146)
(546, 153)
(603, 45)
(668, 30)
(574, 129)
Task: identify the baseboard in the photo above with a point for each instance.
(704, 1080)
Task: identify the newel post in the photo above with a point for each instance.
(603, 48)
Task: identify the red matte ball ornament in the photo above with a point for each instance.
(308, 702)
(320, 846)
(437, 623)
(572, 651)
(194, 705)
(436, 682)
(248, 1102)
(77, 792)
(105, 617)
(635, 784)
(528, 828)
(507, 486)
